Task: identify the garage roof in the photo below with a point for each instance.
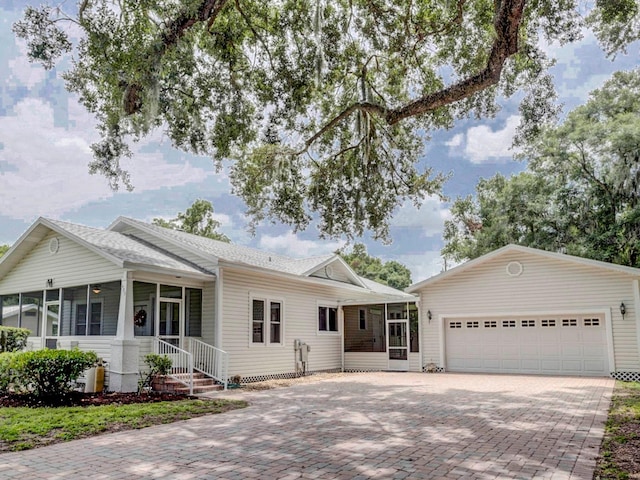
(519, 248)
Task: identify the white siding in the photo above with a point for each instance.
(545, 285)
(299, 321)
(208, 313)
(72, 265)
(366, 361)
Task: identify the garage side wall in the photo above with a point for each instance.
(541, 285)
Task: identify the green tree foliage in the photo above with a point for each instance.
(3, 249)
(321, 106)
(390, 273)
(13, 339)
(581, 193)
(197, 219)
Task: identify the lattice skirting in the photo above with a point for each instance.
(280, 376)
(626, 376)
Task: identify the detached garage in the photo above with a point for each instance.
(522, 310)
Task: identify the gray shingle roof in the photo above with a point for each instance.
(124, 248)
(232, 253)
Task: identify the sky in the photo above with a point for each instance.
(45, 137)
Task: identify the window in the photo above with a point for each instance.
(509, 323)
(328, 319)
(275, 322)
(548, 322)
(95, 319)
(473, 324)
(267, 318)
(258, 321)
(569, 322)
(362, 319)
(591, 322)
(490, 324)
(528, 323)
(455, 324)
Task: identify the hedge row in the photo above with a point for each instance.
(48, 374)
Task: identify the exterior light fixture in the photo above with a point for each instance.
(429, 315)
(96, 289)
(623, 309)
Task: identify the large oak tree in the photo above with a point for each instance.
(580, 194)
(322, 106)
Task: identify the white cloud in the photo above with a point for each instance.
(290, 244)
(481, 144)
(22, 71)
(430, 217)
(422, 265)
(456, 140)
(47, 170)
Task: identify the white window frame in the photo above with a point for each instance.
(266, 326)
(327, 305)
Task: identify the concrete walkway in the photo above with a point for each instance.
(360, 426)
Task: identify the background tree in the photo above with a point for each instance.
(197, 219)
(390, 273)
(581, 193)
(3, 249)
(321, 105)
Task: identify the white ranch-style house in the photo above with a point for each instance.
(226, 310)
(214, 307)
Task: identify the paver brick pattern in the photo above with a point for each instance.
(359, 426)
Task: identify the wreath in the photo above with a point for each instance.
(140, 318)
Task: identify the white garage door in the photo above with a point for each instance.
(554, 345)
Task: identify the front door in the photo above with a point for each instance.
(398, 348)
(170, 326)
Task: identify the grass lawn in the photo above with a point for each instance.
(22, 428)
(620, 453)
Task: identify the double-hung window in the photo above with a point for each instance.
(94, 319)
(327, 319)
(267, 320)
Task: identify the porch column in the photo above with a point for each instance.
(125, 349)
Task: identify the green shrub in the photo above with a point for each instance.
(13, 339)
(7, 373)
(50, 373)
(159, 364)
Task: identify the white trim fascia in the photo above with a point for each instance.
(169, 271)
(533, 251)
(636, 301)
(142, 226)
(386, 300)
(150, 277)
(605, 311)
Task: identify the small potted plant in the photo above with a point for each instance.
(159, 368)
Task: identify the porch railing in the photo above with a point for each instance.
(181, 362)
(209, 360)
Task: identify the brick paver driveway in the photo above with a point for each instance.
(382, 426)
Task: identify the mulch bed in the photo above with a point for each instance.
(88, 399)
